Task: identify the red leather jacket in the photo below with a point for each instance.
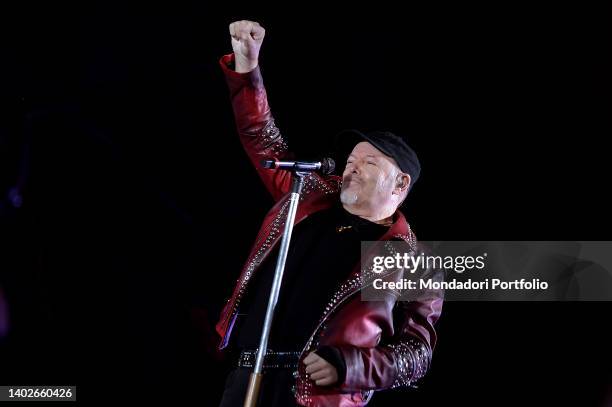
(385, 344)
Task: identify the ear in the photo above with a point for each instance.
(402, 182)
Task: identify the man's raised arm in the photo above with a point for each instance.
(258, 134)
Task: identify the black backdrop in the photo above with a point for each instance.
(139, 205)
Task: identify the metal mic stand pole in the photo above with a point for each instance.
(257, 375)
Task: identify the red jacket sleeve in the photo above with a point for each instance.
(258, 134)
(405, 357)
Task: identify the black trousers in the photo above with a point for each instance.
(275, 389)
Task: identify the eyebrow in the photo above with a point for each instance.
(368, 155)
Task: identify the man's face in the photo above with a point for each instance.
(369, 177)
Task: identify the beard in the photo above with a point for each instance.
(349, 196)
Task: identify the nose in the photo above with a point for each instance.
(354, 167)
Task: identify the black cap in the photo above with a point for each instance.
(388, 143)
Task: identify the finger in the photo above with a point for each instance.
(257, 31)
(244, 33)
(321, 374)
(324, 382)
(311, 358)
(236, 29)
(316, 366)
(249, 30)
(246, 29)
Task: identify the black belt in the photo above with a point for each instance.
(272, 360)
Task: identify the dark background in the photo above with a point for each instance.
(139, 206)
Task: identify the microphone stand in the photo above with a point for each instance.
(257, 374)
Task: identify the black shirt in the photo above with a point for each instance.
(324, 249)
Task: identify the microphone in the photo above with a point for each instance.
(325, 166)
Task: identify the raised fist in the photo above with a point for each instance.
(247, 37)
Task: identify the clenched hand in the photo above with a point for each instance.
(320, 370)
(247, 37)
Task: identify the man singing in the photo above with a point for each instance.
(327, 346)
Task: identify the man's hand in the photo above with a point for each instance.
(320, 370)
(247, 37)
